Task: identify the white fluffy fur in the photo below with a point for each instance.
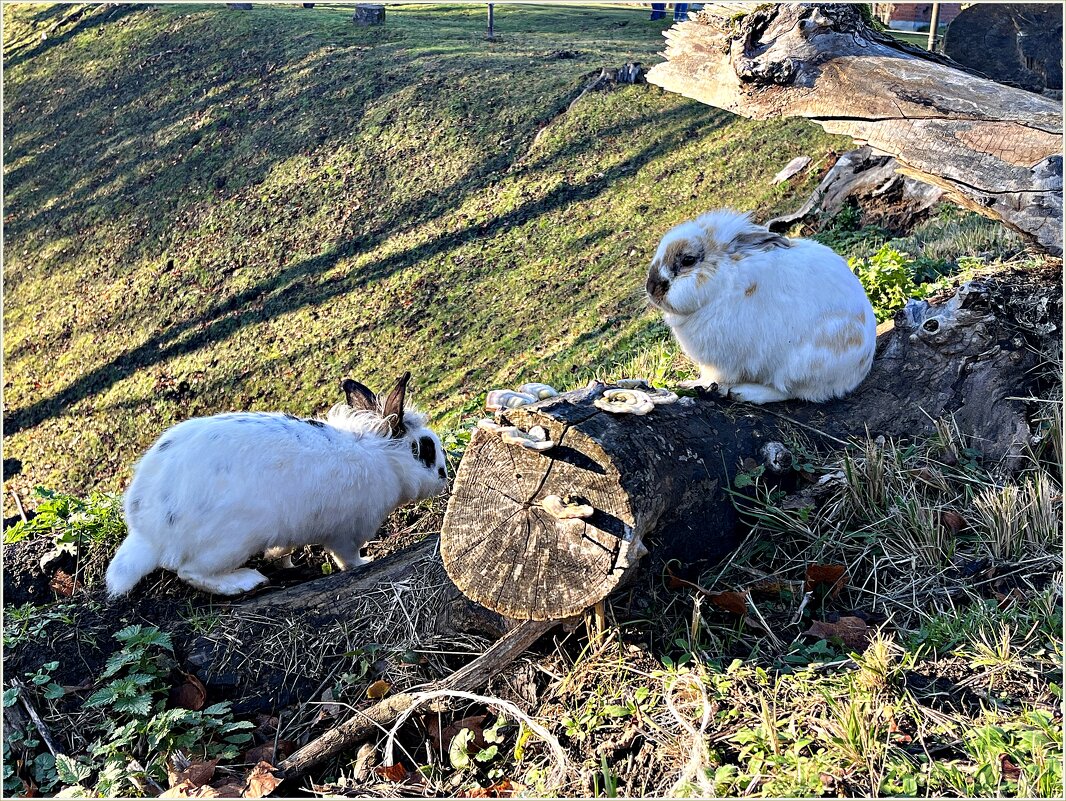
(765, 317)
(214, 491)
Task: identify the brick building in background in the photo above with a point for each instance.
(914, 16)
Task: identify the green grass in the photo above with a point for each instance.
(212, 210)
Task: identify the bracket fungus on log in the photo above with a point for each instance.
(508, 551)
(661, 481)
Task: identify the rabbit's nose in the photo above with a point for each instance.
(656, 287)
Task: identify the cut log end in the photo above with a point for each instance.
(511, 554)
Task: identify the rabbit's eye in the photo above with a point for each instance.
(688, 261)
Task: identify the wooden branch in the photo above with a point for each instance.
(663, 481)
(991, 148)
(365, 723)
(41, 726)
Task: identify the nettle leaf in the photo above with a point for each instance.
(117, 661)
(105, 695)
(128, 633)
(70, 771)
(141, 705)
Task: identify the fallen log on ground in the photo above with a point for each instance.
(992, 148)
(663, 481)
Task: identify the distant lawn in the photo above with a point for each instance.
(211, 210)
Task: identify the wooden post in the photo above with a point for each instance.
(491, 35)
(934, 22)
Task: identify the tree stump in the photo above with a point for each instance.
(369, 14)
(991, 148)
(663, 481)
(239, 6)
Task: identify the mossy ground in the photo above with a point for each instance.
(209, 210)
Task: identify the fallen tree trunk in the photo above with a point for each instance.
(991, 148)
(663, 481)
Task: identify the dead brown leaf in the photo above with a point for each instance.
(503, 789)
(229, 790)
(852, 631)
(735, 602)
(378, 689)
(188, 789)
(768, 587)
(190, 694)
(1011, 772)
(328, 708)
(195, 771)
(266, 725)
(833, 576)
(952, 521)
(63, 583)
(442, 740)
(392, 773)
(261, 781)
(1009, 599)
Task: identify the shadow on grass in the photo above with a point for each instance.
(292, 289)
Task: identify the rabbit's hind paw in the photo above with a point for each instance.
(234, 583)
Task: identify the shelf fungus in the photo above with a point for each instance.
(536, 439)
(507, 399)
(539, 391)
(624, 401)
(655, 394)
(568, 508)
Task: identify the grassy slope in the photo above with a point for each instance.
(211, 210)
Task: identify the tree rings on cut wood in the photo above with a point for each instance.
(504, 541)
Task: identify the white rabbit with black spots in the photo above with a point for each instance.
(212, 492)
(766, 318)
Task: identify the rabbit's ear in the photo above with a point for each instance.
(359, 395)
(757, 239)
(392, 409)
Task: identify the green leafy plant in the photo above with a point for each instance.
(71, 521)
(138, 727)
(31, 623)
(888, 278)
